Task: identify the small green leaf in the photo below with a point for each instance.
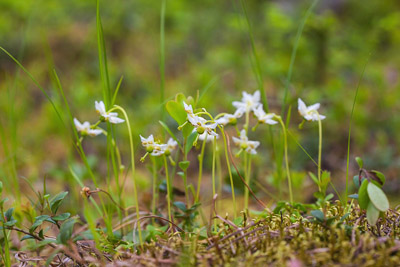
(180, 205)
(25, 237)
(313, 177)
(9, 214)
(192, 137)
(319, 215)
(56, 201)
(1, 187)
(61, 217)
(177, 111)
(360, 162)
(184, 165)
(38, 221)
(356, 181)
(325, 179)
(380, 176)
(378, 197)
(355, 196)
(66, 231)
(372, 214)
(363, 198)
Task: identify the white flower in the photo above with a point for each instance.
(112, 117)
(159, 150)
(230, 118)
(249, 102)
(201, 126)
(188, 108)
(148, 143)
(244, 143)
(264, 117)
(309, 113)
(170, 146)
(85, 129)
(209, 137)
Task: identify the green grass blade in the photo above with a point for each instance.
(350, 124)
(294, 52)
(257, 66)
(36, 83)
(162, 58)
(103, 58)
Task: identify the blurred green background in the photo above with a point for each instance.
(205, 41)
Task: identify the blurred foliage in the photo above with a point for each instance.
(205, 40)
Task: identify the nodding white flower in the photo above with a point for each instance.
(201, 126)
(148, 143)
(249, 101)
(309, 113)
(188, 108)
(112, 117)
(209, 137)
(264, 117)
(158, 150)
(230, 118)
(85, 128)
(244, 143)
(170, 146)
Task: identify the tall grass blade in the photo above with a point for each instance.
(293, 56)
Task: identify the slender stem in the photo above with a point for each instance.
(230, 171)
(286, 157)
(116, 107)
(168, 190)
(213, 172)
(162, 57)
(155, 191)
(319, 150)
(201, 157)
(185, 179)
(246, 190)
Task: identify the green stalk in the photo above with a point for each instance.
(319, 150)
(201, 157)
(155, 191)
(247, 178)
(213, 172)
(162, 57)
(294, 52)
(168, 191)
(349, 135)
(116, 107)
(7, 260)
(229, 171)
(279, 118)
(185, 178)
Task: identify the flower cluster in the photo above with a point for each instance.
(156, 148)
(87, 129)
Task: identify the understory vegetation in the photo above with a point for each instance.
(230, 133)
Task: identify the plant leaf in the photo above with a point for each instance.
(319, 215)
(378, 197)
(177, 111)
(360, 162)
(190, 141)
(363, 198)
(380, 176)
(61, 217)
(372, 214)
(66, 231)
(56, 201)
(184, 165)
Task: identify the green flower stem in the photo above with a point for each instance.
(319, 151)
(201, 157)
(278, 118)
(168, 190)
(246, 177)
(213, 172)
(185, 179)
(155, 191)
(116, 107)
(229, 170)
